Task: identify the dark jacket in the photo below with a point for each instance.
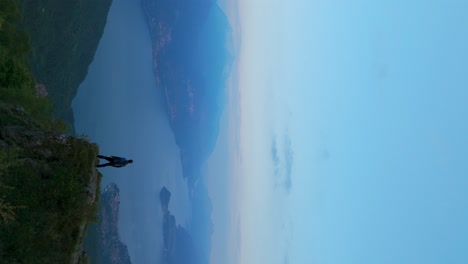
(119, 161)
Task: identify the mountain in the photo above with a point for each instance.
(48, 180)
(64, 36)
(109, 248)
(179, 247)
(49, 186)
(165, 197)
(191, 64)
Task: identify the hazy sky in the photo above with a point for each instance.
(347, 133)
(344, 139)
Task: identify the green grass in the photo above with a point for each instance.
(43, 202)
(53, 192)
(17, 85)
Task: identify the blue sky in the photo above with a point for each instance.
(372, 97)
(344, 139)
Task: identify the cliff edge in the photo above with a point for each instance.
(48, 185)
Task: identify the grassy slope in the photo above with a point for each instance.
(16, 80)
(48, 186)
(43, 206)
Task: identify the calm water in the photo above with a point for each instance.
(119, 107)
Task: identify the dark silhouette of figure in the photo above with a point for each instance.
(114, 161)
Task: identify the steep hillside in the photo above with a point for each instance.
(64, 35)
(191, 63)
(49, 186)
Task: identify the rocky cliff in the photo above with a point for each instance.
(111, 248)
(48, 186)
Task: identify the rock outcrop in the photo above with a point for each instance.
(178, 245)
(112, 250)
(56, 169)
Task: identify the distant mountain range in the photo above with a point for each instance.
(191, 64)
(179, 247)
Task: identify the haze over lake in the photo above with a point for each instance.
(339, 137)
(119, 107)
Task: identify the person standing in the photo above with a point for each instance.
(114, 161)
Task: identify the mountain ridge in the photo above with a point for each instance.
(191, 64)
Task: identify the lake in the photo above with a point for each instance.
(119, 107)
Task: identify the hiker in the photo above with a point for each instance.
(114, 161)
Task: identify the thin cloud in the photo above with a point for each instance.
(288, 158)
(275, 158)
(282, 157)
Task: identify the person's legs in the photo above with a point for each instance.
(109, 159)
(104, 165)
